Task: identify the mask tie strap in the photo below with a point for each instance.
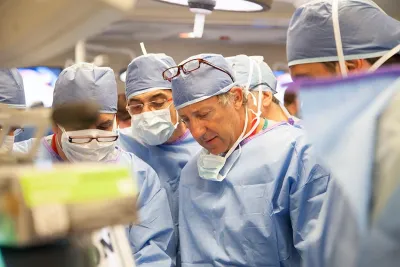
(338, 37)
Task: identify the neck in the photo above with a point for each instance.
(275, 113)
(251, 121)
(178, 133)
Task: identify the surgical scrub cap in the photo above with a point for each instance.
(144, 74)
(12, 88)
(242, 65)
(202, 83)
(84, 82)
(366, 32)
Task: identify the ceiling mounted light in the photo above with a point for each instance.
(231, 5)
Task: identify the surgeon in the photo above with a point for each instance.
(333, 38)
(314, 50)
(12, 94)
(156, 135)
(251, 195)
(252, 72)
(85, 82)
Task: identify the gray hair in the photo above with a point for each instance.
(227, 98)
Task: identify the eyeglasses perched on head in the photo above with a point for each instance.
(188, 67)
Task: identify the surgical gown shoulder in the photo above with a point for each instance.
(278, 145)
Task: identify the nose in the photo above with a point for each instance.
(197, 129)
(146, 108)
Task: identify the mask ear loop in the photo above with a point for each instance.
(247, 87)
(338, 37)
(63, 132)
(177, 116)
(258, 114)
(240, 139)
(384, 58)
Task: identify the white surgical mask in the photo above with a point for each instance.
(209, 166)
(94, 151)
(153, 127)
(7, 145)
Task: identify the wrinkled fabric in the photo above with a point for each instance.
(167, 160)
(387, 156)
(12, 88)
(310, 36)
(241, 66)
(202, 83)
(85, 82)
(342, 128)
(144, 74)
(381, 246)
(263, 211)
(152, 240)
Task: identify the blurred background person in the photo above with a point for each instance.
(84, 82)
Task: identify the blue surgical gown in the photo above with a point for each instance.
(261, 214)
(151, 239)
(167, 160)
(343, 130)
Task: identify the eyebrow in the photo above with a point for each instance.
(105, 124)
(150, 99)
(202, 110)
(158, 95)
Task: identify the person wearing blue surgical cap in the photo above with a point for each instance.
(252, 194)
(330, 38)
(314, 50)
(152, 237)
(12, 94)
(156, 134)
(257, 77)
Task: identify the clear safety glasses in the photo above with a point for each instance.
(153, 105)
(188, 67)
(87, 139)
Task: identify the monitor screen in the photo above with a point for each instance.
(39, 84)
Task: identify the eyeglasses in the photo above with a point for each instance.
(188, 67)
(153, 105)
(87, 139)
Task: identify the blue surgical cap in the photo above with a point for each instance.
(202, 83)
(366, 31)
(87, 82)
(12, 88)
(262, 74)
(144, 74)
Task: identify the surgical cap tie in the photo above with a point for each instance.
(384, 58)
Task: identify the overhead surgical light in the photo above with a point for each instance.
(230, 5)
(202, 8)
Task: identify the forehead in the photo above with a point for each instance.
(309, 70)
(166, 93)
(105, 117)
(210, 103)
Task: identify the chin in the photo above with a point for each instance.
(216, 150)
